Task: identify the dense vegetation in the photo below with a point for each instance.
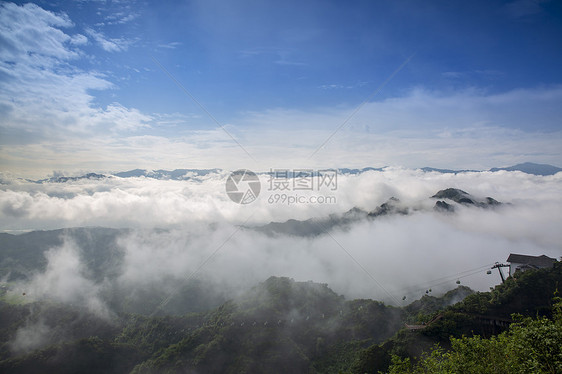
(287, 326)
(529, 346)
(279, 326)
(478, 319)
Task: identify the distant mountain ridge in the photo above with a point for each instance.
(449, 171)
(526, 167)
(531, 168)
(63, 179)
(176, 174)
(188, 174)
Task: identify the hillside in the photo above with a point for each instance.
(279, 326)
(485, 314)
(447, 201)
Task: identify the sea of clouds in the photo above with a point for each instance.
(191, 229)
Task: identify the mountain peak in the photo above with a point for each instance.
(454, 194)
(284, 294)
(461, 197)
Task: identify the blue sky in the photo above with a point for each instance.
(458, 84)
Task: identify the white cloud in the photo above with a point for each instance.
(45, 101)
(140, 202)
(32, 35)
(79, 39)
(128, 18)
(170, 45)
(469, 129)
(122, 118)
(108, 44)
(419, 109)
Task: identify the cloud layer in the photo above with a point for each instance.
(200, 236)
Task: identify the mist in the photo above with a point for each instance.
(67, 280)
(147, 203)
(185, 230)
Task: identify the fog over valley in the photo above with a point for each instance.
(171, 230)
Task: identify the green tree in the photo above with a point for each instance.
(529, 346)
